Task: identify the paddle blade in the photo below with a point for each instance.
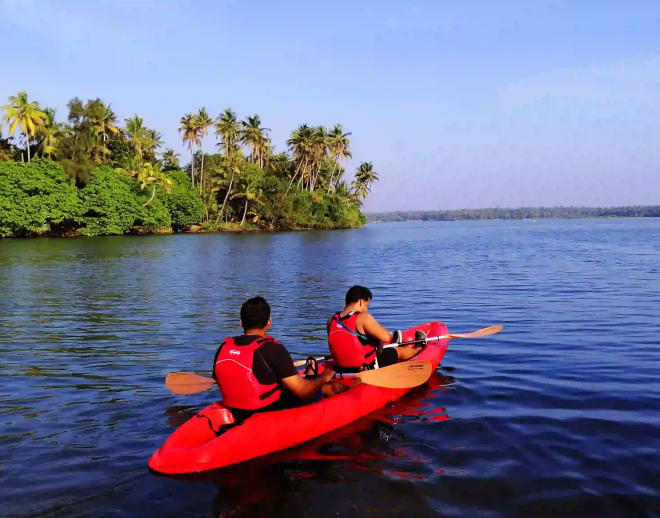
(486, 331)
(400, 375)
(187, 383)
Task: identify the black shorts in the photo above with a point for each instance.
(389, 356)
(287, 400)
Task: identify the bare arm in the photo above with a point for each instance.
(303, 388)
(372, 328)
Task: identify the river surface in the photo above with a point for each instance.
(558, 415)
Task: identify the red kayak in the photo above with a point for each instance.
(204, 443)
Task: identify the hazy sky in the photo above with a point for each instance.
(457, 104)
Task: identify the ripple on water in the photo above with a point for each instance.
(556, 416)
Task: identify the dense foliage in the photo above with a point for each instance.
(37, 198)
(121, 183)
(518, 213)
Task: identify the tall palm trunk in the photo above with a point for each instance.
(153, 193)
(332, 174)
(293, 177)
(201, 175)
(192, 167)
(315, 176)
(222, 209)
(27, 139)
(244, 211)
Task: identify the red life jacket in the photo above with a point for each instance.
(235, 377)
(348, 347)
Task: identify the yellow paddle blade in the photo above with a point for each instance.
(406, 374)
(486, 331)
(187, 383)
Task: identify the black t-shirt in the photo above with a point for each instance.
(272, 361)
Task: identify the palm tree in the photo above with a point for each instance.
(102, 118)
(364, 177)
(204, 122)
(338, 143)
(319, 148)
(234, 161)
(188, 127)
(49, 133)
(254, 136)
(228, 130)
(85, 143)
(300, 145)
(139, 136)
(250, 191)
(27, 115)
(170, 159)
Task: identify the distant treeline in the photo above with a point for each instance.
(635, 211)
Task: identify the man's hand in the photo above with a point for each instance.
(333, 388)
(304, 388)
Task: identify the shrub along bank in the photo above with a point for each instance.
(39, 198)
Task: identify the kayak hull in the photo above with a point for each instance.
(195, 446)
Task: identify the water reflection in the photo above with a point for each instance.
(337, 458)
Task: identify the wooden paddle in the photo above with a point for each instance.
(400, 375)
(486, 331)
(187, 383)
(406, 374)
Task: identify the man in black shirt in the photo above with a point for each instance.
(255, 372)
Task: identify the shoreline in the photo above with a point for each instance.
(194, 229)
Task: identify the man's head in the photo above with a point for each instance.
(357, 294)
(255, 314)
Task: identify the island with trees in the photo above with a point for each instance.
(92, 176)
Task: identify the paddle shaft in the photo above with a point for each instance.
(189, 383)
(400, 375)
(486, 331)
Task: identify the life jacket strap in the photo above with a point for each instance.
(337, 319)
(269, 393)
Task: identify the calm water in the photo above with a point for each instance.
(559, 415)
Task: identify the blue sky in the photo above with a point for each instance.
(457, 104)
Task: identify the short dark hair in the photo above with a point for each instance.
(255, 313)
(358, 293)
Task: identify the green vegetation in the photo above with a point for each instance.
(37, 198)
(519, 213)
(91, 176)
